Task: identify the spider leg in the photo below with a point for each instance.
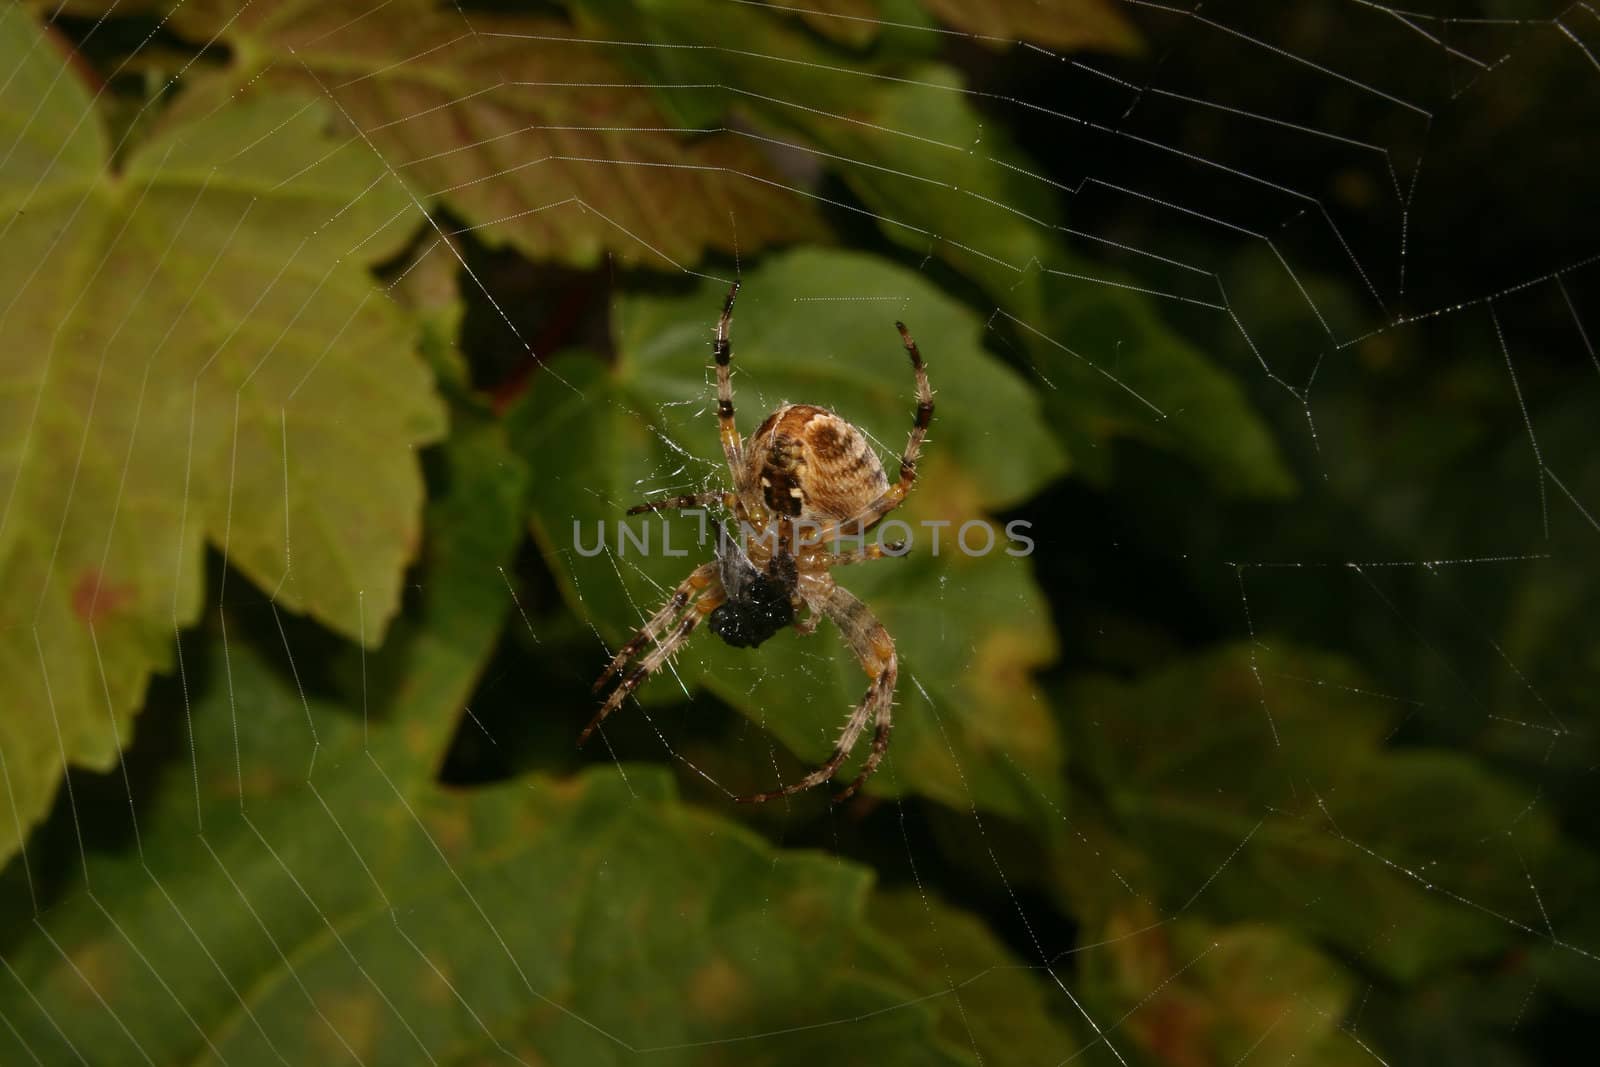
(874, 647)
(722, 351)
(653, 662)
(690, 589)
(919, 428)
(688, 500)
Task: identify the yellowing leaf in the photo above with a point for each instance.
(521, 128)
(1192, 994)
(1074, 24)
(1070, 24)
(990, 1003)
(191, 352)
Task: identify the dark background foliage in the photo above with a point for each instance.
(322, 324)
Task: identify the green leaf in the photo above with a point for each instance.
(429, 287)
(1258, 782)
(179, 339)
(1115, 371)
(821, 322)
(818, 327)
(344, 898)
(1000, 1010)
(470, 110)
(1197, 994)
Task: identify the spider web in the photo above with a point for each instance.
(1361, 213)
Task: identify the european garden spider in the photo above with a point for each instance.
(806, 469)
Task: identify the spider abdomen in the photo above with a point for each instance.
(810, 464)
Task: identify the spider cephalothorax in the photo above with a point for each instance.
(806, 477)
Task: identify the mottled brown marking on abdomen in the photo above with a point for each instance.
(812, 464)
(780, 477)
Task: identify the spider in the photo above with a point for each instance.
(805, 468)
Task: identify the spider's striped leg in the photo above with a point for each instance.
(688, 500)
(653, 662)
(919, 428)
(875, 649)
(699, 580)
(722, 351)
(883, 711)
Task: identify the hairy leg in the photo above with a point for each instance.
(701, 579)
(874, 647)
(722, 352)
(687, 500)
(656, 659)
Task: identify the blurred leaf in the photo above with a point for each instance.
(1549, 628)
(1108, 360)
(360, 903)
(714, 57)
(1195, 995)
(178, 340)
(469, 109)
(851, 22)
(988, 1003)
(969, 629)
(1470, 1018)
(429, 287)
(1258, 780)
